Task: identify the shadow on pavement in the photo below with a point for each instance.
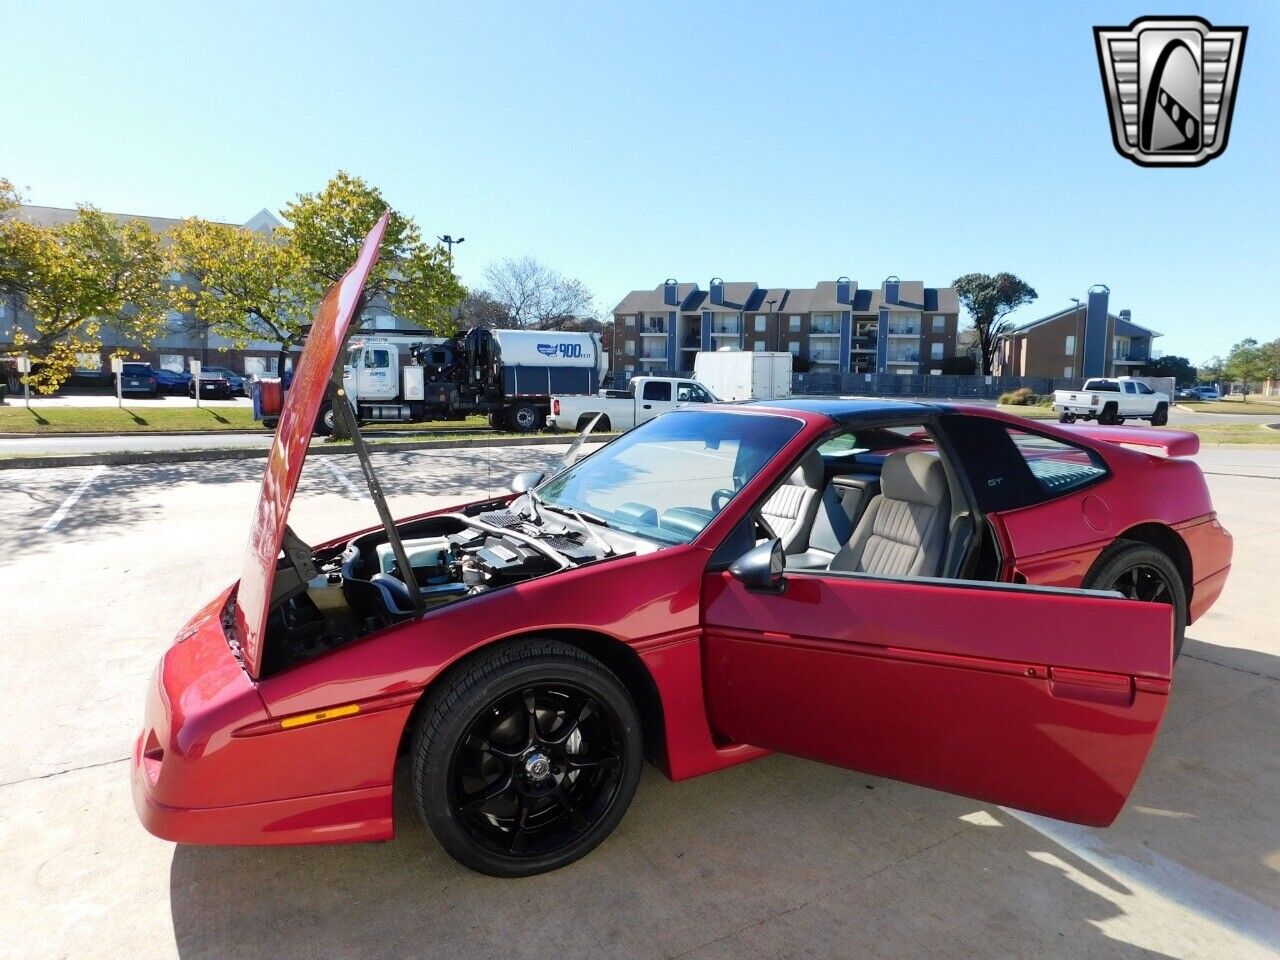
(783, 857)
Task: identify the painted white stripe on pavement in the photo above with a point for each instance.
(61, 513)
(343, 479)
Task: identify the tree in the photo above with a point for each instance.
(90, 275)
(537, 297)
(481, 310)
(1179, 368)
(1210, 371)
(415, 279)
(1247, 363)
(963, 366)
(989, 299)
(244, 286)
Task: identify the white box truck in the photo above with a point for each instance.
(744, 374)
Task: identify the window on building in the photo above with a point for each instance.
(1068, 371)
(1071, 345)
(935, 351)
(793, 324)
(629, 322)
(629, 348)
(761, 320)
(89, 362)
(794, 348)
(939, 324)
(758, 346)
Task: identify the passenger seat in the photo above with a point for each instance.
(903, 531)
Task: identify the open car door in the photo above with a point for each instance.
(1039, 698)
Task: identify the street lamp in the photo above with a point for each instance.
(448, 241)
(768, 334)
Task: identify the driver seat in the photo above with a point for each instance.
(791, 510)
(903, 532)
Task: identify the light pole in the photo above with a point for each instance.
(448, 241)
(771, 322)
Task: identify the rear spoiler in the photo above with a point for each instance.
(1159, 442)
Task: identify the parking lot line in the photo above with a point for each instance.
(61, 513)
(343, 479)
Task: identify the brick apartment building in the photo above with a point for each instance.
(183, 341)
(900, 327)
(1085, 340)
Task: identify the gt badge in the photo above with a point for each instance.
(1170, 84)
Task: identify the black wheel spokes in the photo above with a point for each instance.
(538, 768)
(1141, 582)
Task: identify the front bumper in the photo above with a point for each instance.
(197, 779)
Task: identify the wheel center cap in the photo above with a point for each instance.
(537, 766)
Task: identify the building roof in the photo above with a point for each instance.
(654, 301)
(1116, 320)
(262, 221)
(820, 298)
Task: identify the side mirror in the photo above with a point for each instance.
(526, 481)
(760, 568)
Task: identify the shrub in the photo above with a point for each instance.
(1017, 398)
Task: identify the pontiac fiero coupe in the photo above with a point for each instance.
(934, 593)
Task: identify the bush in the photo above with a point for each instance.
(1023, 397)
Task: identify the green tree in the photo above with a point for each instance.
(1210, 371)
(78, 280)
(1179, 368)
(989, 299)
(1246, 363)
(242, 285)
(415, 278)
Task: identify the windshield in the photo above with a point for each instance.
(669, 477)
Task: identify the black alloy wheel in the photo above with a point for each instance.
(528, 760)
(1140, 571)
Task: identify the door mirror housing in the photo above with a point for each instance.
(760, 568)
(526, 481)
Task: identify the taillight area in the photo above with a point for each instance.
(152, 757)
(555, 407)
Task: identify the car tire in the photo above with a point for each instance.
(1142, 572)
(524, 418)
(1067, 418)
(1161, 416)
(558, 791)
(1109, 415)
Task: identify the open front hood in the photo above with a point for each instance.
(302, 404)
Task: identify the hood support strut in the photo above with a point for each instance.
(346, 418)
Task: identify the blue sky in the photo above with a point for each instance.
(781, 143)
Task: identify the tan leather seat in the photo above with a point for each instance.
(903, 531)
(791, 510)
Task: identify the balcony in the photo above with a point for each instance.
(824, 328)
(651, 353)
(867, 342)
(904, 330)
(1132, 356)
(824, 356)
(904, 356)
(726, 328)
(654, 328)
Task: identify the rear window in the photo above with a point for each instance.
(136, 369)
(1058, 467)
(1103, 386)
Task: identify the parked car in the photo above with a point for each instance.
(1206, 393)
(644, 399)
(888, 586)
(139, 378)
(234, 380)
(173, 381)
(212, 387)
(1112, 401)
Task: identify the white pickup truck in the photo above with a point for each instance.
(1112, 401)
(644, 399)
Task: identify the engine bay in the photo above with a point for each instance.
(326, 598)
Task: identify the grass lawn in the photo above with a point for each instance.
(1030, 412)
(114, 420)
(1250, 433)
(1232, 406)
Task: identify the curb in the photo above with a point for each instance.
(128, 458)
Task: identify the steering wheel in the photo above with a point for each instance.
(720, 498)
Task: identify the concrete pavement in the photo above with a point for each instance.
(779, 858)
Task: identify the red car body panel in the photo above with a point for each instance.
(289, 446)
(1057, 719)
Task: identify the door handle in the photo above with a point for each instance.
(648, 406)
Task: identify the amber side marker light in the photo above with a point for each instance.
(302, 719)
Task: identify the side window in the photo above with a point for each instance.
(1130, 387)
(1143, 388)
(1058, 467)
(690, 393)
(657, 390)
(377, 359)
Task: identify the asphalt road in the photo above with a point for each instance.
(142, 442)
(778, 858)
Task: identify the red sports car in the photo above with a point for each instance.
(933, 593)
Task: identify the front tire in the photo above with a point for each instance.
(526, 759)
(1142, 572)
(1161, 416)
(524, 418)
